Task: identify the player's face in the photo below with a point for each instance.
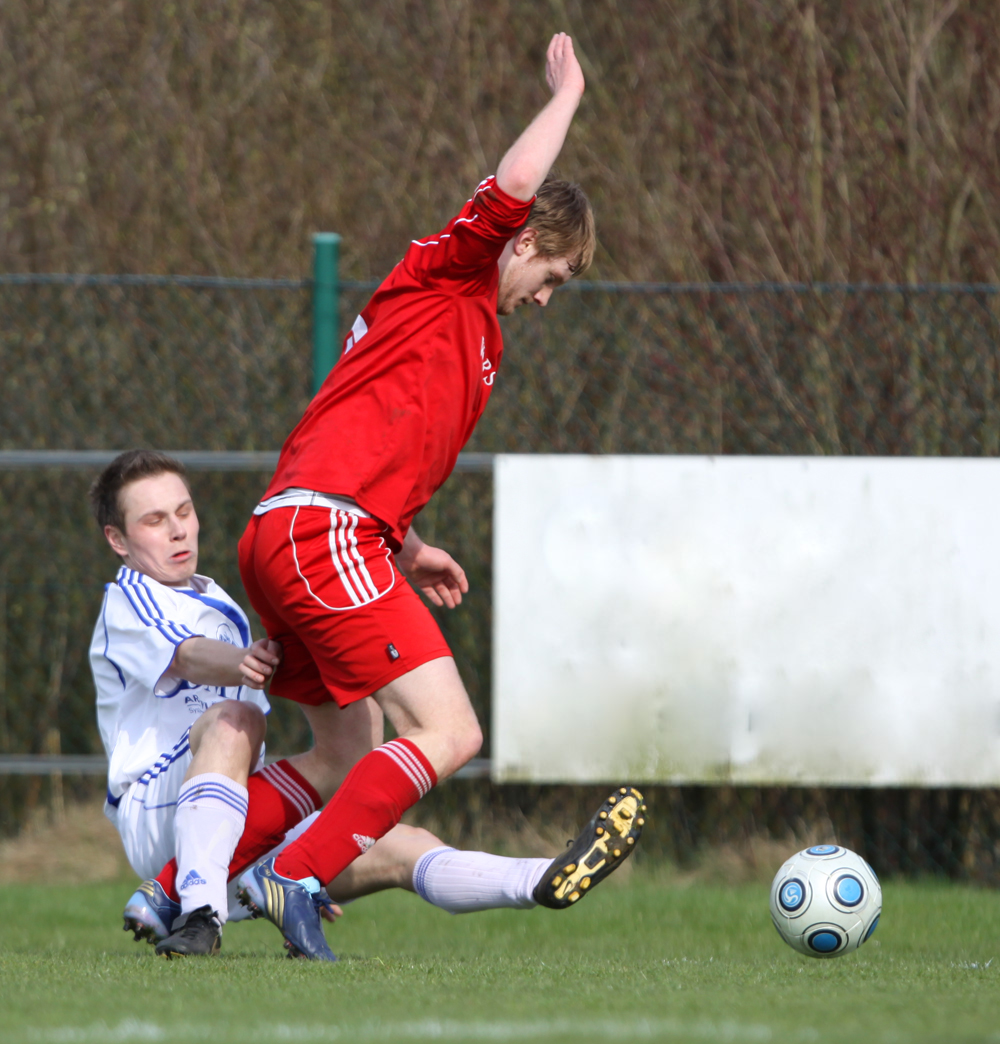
(527, 276)
(161, 529)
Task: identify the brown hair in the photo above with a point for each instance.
(128, 467)
(564, 221)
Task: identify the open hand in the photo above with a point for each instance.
(435, 572)
(260, 662)
(562, 70)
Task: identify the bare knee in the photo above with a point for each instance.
(464, 742)
(469, 743)
(430, 706)
(230, 724)
(239, 717)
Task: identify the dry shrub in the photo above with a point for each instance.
(756, 858)
(785, 140)
(81, 846)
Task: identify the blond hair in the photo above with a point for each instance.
(563, 221)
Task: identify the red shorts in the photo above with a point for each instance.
(325, 585)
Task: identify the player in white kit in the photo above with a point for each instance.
(182, 717)
(179, 700)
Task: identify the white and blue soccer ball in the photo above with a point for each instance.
(825, 901)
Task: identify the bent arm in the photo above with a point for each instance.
(207, 661)
(529, 159)
(434, 571)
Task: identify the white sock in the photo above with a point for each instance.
(462, 882)
(211, 813)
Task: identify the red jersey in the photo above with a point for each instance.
(416, 372)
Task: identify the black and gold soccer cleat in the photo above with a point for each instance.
(200, 935)
(603, 845)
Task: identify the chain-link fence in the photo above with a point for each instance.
(204, 364)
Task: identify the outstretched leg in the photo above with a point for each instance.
(463, 882)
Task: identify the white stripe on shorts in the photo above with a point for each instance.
(356, 592)
(335, 524)
(346, 542)
(362, 568)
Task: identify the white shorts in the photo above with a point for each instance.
(145, 813)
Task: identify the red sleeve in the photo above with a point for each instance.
(462, 257)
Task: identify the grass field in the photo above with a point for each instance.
(653, 959)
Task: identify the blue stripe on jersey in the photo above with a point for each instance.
(145, 593)
(180, 628)
(229, 611)
(107, 640)
(134, 595)
(128, 588)
(165, 760)
(161, 766)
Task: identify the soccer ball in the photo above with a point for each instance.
(825, 901)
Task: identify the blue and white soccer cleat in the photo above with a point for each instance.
(292, 906)
(150, 913)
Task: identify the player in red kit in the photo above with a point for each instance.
(325, 555)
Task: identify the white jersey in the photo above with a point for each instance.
(143, 716)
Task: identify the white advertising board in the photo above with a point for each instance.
(747, 619)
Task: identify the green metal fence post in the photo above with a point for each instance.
(326, 305)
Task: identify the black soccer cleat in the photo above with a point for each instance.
(603, 845)
(200, 935)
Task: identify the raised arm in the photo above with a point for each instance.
(529, 159)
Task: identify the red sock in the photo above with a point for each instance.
(168, 880)
(369, 803)
(279, 798)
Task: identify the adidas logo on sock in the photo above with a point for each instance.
(364, 843)
(194, 878)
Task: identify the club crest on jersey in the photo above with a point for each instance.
(225, 634)
(489, 374)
